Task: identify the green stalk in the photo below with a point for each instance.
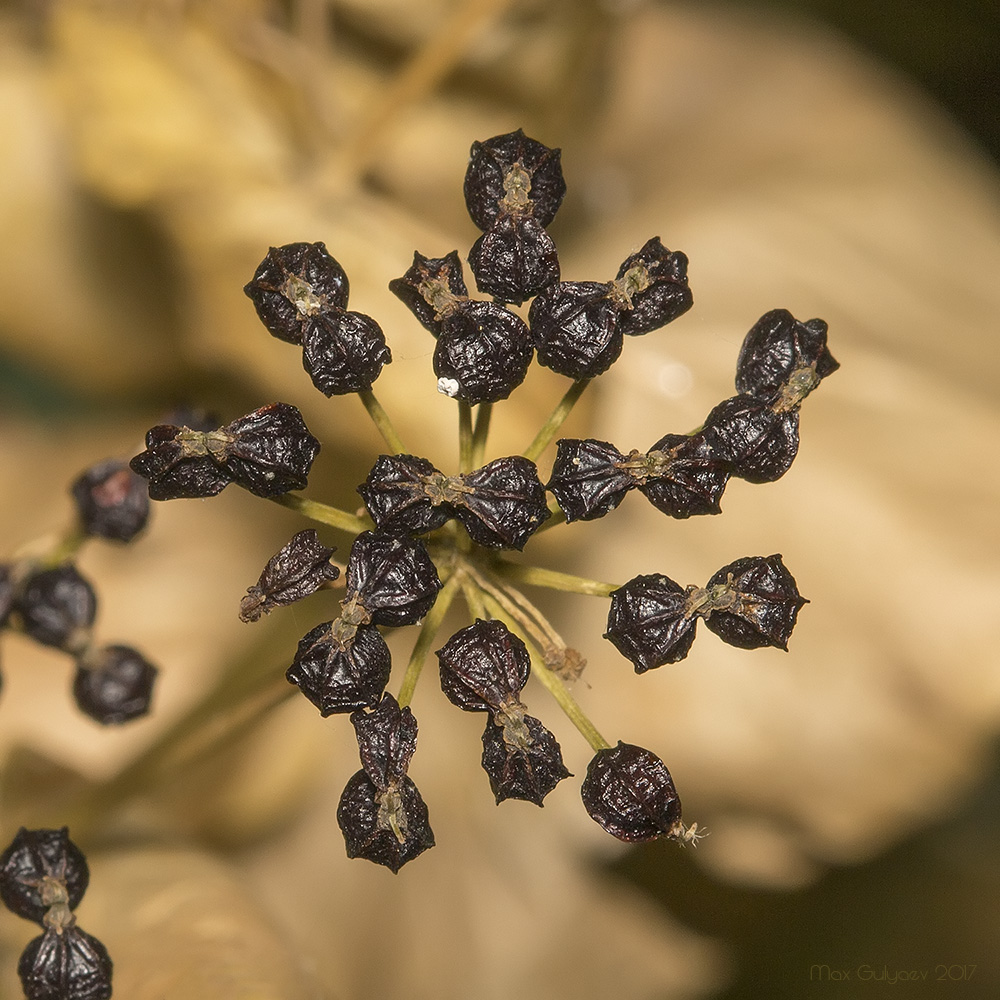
(428, 630)
(324, 513)
(381, 420)
(464, 436)
(535, 576)
(482, 431)
(551, 427)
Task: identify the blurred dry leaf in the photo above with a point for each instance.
(793, 173)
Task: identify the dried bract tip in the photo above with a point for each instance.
(297, 570)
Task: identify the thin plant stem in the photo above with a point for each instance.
(553, 684)
(324, 513)
(428, 630)
(473, 598)
(481, 432)
(381, 420)
(551, 427)
(464, 436)
(535, 576)
(526, 620)
(68, 546)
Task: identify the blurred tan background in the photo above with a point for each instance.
(154, 150)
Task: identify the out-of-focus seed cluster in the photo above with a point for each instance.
(48, 599)
(425, 535)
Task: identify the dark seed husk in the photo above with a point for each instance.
(393, 578)
(339, 677)
(587, 479)
(35, 855)
(57, 607)
(400, 498)
(432, 288)
(65, 965)
(506, 505)
(528, 767)
(114, 685)
(766, 603)
(652, 288)
(574, 326)
(111, 501)
(297, 570)
(514, 260)
(344, 352)
(759, 443)
(483, 353)
(693, 480)
(647, 622)
(483, 666)
(628, 791)
(776, 348)
(293, 284)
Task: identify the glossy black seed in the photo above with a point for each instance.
(406, 495)
(687, 476)
(6, 592)
(114, 685)
(57, 607)
(521, 757)
(482, 354)
(505, 504)
(366, 817)
(628, 791)
(271, 451)
(394, 579)
(574, 326)
(295, 283)
(341, 672)
(65, 965)
(179, 462)
(111, 501)
(587, 478)
(513, 175)
(763, 603)
(783, 357)
(648, 624)
(343, 352)
(651, 288)
(483, 666)
(515, 259)
(39, 869)
(381, 813)
(432, 289)
(759, 443)
(297, 570)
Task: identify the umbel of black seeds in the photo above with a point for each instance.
(751, 603)
(501, 504)
(43, 876)
(111, 501)
(483, 350)
(297, 570)
(268, 452)
(681, 475)
(483, 669)
(513, 188)
(300, 293)
(381, 814)
(628, 791)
